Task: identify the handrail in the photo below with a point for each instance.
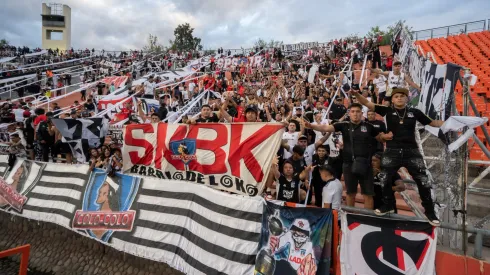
(455, 25)
(464, 29)
(24, 256)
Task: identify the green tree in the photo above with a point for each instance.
(260, 43)
(153, 45)
(4, 43)
(389, 32)
(184, 39)
(275, 44)
(375, 32)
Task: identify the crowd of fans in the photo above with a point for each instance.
(332, 125)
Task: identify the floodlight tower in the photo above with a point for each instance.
(56, 26)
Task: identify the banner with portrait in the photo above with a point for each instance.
(294, 241)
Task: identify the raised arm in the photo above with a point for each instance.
(322, 140)
(223, 111)
(321, 128)
(380, 72)
(363, 100)
(411, 83)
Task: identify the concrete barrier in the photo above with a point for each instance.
(56, 250)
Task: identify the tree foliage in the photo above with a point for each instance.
(388, 33)
(375, 32)
(184, 39)
(3, 43)
(153, 45)
(261, 43)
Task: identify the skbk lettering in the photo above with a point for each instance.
(239, 150)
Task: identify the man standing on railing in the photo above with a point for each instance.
(402, 149)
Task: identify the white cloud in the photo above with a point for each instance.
(125, 24)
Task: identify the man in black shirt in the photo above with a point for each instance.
(402, 149)
(338, 110)
(288, 186)
(381, 126)
(90, 106)
(319, 159)
(162, 109)
(357, 136)
(206, 116)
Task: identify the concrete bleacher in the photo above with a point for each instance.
(471, 51)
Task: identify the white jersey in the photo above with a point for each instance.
(295, 256)
(380, 83)
(149, 87)
(334, 141)
(292, 140)
(332, 193)
(396, 80)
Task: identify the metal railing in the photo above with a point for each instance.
(24, 256)
(463, 28)
(457, 227)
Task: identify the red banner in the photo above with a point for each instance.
(230, 157)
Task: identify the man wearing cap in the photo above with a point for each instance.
(338, 110)
(309, 150)
(396, 79)
(402, 149)
(251, 113)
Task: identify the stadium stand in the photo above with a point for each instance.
(472, 51)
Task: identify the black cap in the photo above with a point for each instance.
(134, 119)
(85, 114)
(252, 108)
(73, 112)
(302, 137)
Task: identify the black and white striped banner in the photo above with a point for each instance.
(193, 228)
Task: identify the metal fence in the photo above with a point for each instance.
(463, 28)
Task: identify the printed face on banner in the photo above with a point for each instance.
(294, 241)
(231, 157)
(18, 182)
(107, 205)
(184, 150)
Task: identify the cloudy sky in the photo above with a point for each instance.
(125, 24)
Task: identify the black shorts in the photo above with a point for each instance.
(352, 180)
(381, 97)
(65, 148)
